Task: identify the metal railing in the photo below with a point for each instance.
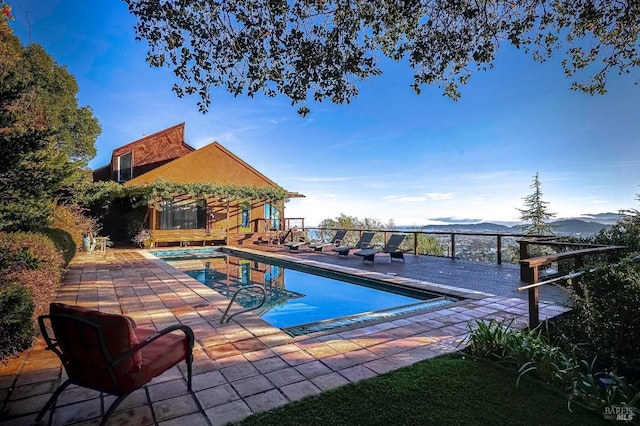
(253, 308)
(530, 267)
(452, 238)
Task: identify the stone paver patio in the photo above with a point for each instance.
(240, 368)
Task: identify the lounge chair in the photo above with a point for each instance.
(296, 243)
(335, 241)
(392, 247)
(364, 242)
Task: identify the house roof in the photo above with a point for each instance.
(210, 164)
(157, 148)
(150, 151)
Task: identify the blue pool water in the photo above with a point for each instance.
(298, 301)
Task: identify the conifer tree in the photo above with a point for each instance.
(535, 213)
(46, 139)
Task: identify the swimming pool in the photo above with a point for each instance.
(299, 300)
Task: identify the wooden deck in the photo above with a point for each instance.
(500, 280)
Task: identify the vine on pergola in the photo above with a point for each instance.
(159, 190)
(152, 194)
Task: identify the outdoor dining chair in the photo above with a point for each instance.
(108, 353)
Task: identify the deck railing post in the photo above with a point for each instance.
(534, 317)
(453, 245)
(415, 242)
(499, 249)
(578, 263)
(526, 273)
(524, 249)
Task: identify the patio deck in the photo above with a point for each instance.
(246, 366)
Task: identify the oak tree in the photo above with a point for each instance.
(321, 49)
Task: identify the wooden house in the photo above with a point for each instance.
(184, 220)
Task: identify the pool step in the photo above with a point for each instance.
(313, 327)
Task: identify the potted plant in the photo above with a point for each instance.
(86, 243)
(143, 238)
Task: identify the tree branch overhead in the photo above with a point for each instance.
(322, 49)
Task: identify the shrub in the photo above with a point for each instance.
(30, 274)
(605, 321)
(16, 312)
(135, 230)
(532, 352)
(598, 390)
(63, 241)
(33, 261)
(17, 260)
(75, 220)
(488, 339)
(626, 232)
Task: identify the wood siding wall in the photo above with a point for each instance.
(224, 222)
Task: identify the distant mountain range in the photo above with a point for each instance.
(604, 218)
(582, 226)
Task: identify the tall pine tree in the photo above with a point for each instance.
(535, 213)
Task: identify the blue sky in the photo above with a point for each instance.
(390, 154)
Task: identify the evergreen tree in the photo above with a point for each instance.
(73, 128)
(535, 213)
(31, 171)
(46, 140)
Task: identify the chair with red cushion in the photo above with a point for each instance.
(108, 353)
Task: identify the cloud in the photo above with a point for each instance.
(228, 138)
(439, 195)
(456, 220)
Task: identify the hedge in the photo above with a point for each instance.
(63, 241)
(31, 269)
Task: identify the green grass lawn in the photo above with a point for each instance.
(447, 390)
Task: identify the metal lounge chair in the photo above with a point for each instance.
(107, 353)
(364, 242)
(392, 247)
(296, 243)
(335, 241)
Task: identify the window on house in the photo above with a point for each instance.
(124, 167)
(272, 214)
(244, 271)
(187, 214)
(271, 274)
(245, 215)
